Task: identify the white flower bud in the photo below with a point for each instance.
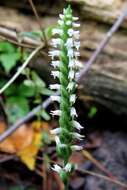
(76, 24)
(76, 148)
(72, 98)
(77, 125)
(55, 74)
(73, 112)
(55, 63)
(55, 131)
(56, 112)
(54, 53)
(57, 168)
(55, 98)
(57, 31)
(78, 136)
(55, 86)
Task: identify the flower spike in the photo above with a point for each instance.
(64, 56)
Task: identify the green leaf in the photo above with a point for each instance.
(92, 112)
(45, 115)
(37, 80)
(9, 60)
(46, 91)
(16, 108)
(7, 47)
(26, 91)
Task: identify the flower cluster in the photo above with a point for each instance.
(65, 63)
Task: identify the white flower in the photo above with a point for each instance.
(75, 18)
(70, 86)
(54, 53)
(76, 148)
(60, 22)
(55, 131)
(71, 74)
(57, 168)
(55, 86)
(61, 16)
(72, 98)
(55, 63)
(78, 64)
(69, 44)
(57, 31)
(70, 53)
(77, 44)
(68, 167)
(76, 53)
(76, 34)
(75, 24)
(77, 125)
(56, 42)
(55, 98)
(71, 63)
(77, 136)
(68, 22)
(59, 143)
(56, 112)
(55, 74)
(73, 112)
(70, 32)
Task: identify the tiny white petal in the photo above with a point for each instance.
(55, 98)
(75, 18)
(59, 143)
(71, 63)
(55, 86)
(57, 140)
(77, 125)
(75, 24)
(77, 54)
(70, 86)
(72, 98)
(60, 22)
(76, 148)
(56, 112)
(78, 136)
(70, 53)
(77, 75)
(54, 53)
(73, 112)
(68, 22)
(61, 16)
(57, 31)
(57, 168)
(70, 32)
(69, 44)
(71, 74)
(55, 131)
(55, 63)
(77, 44)
(76, 34)
(56, 42)
(68, 167)
(55, 74)
(78, 64)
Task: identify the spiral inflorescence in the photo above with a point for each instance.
(64, 56)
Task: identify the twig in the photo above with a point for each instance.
(38, 20)
(87, 155)
(102, 177)
(103, 43)
(31, 56)
(2, 38)
(12, 35)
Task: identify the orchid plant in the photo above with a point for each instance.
(65, 64)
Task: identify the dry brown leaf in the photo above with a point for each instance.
(25, 142)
